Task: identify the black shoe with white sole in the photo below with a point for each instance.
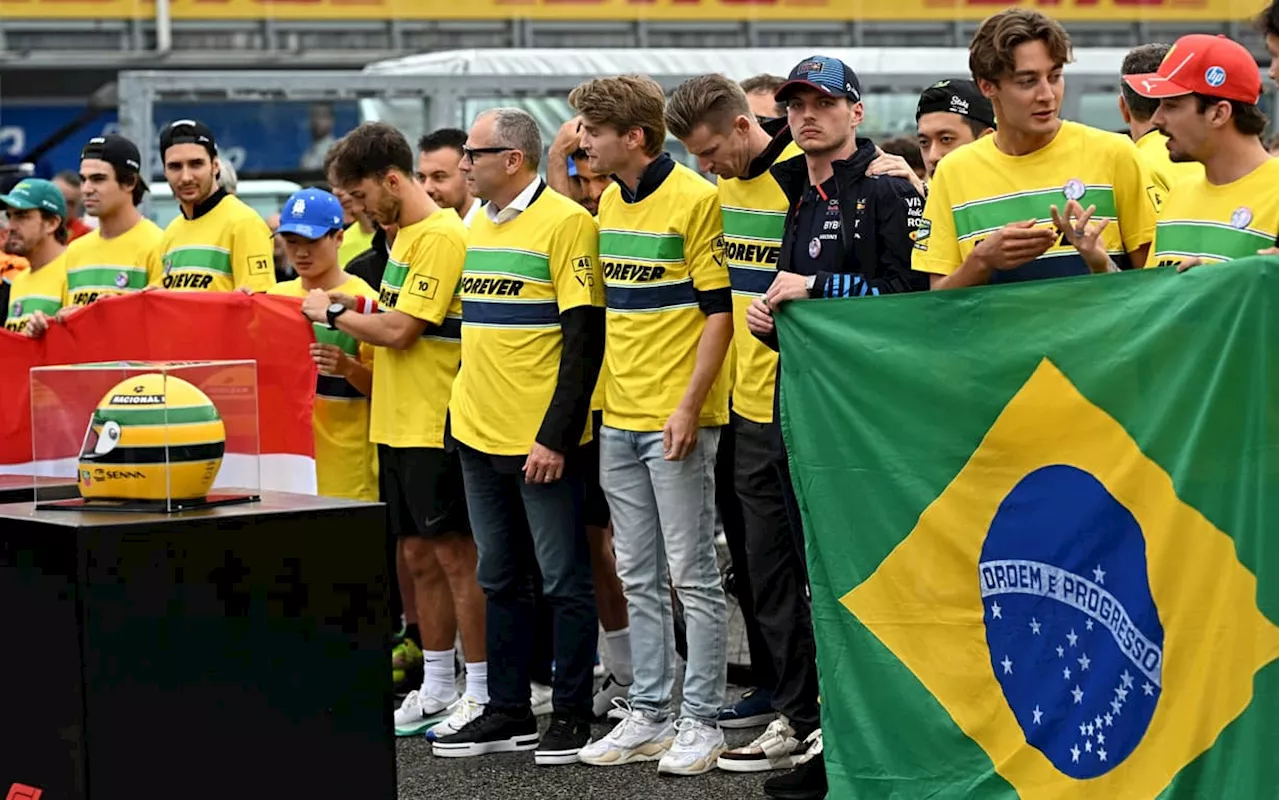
(560, 744)
(493, 731)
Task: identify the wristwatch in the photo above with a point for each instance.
(334, 311)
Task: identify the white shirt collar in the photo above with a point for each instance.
(516, 206)
(471, 212)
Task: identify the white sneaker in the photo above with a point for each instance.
(540, 699)
(636, 738)
(420, 711)
(609, 691)
(773, 749)
(695, 750)
(464, 711)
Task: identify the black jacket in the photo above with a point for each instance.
(878, 214)
(370, 264)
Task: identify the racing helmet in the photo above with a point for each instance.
(152, 437)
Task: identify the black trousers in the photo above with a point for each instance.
(776, 563)
(732, 519)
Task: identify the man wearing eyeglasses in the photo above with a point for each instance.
(218, 243)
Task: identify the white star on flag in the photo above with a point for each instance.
(995, 611)
(1082, 729)
(1071, 637)
(1066, 673)
(1107, 717)
(1148, 689)
(1102, 739)
(1102, 753)
(1088, 746)
(1123, 694)
(1097, 723)
(1088, 624)
(1075, 754)
(1077, 694)
(1099, 574)
(1084, 661)
(1060, 651)
(1126, 679)
(1036, 714)
(1035, 626)
(1088, 729)
(1115, 706)
(1007, 664)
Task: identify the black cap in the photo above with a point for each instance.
(187, 131)
(829, 75)
(117, 151)
(957, 97)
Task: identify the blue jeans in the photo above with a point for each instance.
(522, 530)
(664, 522)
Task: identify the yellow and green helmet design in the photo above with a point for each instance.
(152, 437)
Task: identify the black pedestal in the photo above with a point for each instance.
(238, 652)
(21, 488)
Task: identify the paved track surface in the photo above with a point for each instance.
(514, 777)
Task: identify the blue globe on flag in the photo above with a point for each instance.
(1073, 632)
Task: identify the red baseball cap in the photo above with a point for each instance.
(1203, 64)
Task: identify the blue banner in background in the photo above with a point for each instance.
(254, 137)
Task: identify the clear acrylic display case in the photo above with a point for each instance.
(146, 436)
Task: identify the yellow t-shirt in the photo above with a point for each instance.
(346, 461)
(354, 242)
(977, 190)
(38, 290)
(227, 247)
(754, 213)
(1165, 174)
(519, 277)
(655, 253)
(411, 387)
(1219, 223)
(98, 267)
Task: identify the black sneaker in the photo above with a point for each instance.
(492, 732)
(806, 782)
(564, 738)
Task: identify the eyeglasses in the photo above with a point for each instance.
(470, 153)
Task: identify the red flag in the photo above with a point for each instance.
(177, 326)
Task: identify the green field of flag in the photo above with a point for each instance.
(1041, 524)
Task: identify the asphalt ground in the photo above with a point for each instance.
(513, 776)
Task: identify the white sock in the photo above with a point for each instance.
(437, 674)
(478, 681)
(620, 654)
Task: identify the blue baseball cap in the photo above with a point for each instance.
(311, 213)
(829, 75)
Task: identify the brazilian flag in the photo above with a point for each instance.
(1041, 523)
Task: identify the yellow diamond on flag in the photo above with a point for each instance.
(1092, 632)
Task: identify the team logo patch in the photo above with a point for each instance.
(1074, 189)
(1215, 76)
(833, 207)
(582, 264)
(299, 207)
(17, 308)
(1241, 217)
(167, 262)
(815, 247)
(923, 231)
(122, 280)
